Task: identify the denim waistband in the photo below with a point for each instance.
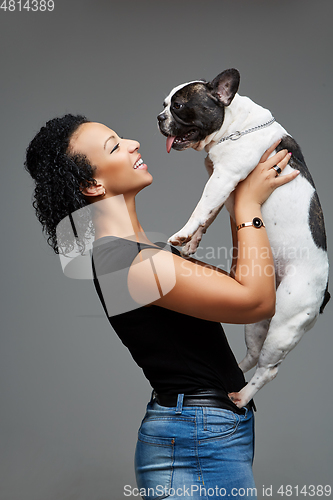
(203, 397)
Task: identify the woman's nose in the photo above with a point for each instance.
(133, 146)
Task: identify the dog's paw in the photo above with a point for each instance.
(186, 250)
(238, 399)
(185, 234)
(179, 239)
(192, 245)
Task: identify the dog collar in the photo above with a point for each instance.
(237, 135)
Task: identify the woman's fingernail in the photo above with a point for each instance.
(290, 154)
(297, 171)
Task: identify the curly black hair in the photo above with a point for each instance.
(59, 177)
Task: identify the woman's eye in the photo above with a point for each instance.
(116, 147)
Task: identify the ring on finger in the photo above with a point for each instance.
(277, 170)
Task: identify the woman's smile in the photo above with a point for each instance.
(139, 164)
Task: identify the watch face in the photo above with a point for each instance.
(257, 222)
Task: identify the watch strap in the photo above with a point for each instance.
(256, 222)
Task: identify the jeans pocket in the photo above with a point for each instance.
(220, 422)
(154, 457)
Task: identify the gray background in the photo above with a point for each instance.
(71, 396)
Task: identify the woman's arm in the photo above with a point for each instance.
(234, 247)
(205, 292)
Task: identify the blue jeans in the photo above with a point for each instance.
(195, 452)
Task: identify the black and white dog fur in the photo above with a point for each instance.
(199, 114)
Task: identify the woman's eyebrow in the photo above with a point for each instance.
(111, 137)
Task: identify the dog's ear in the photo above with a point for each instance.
(225, 86)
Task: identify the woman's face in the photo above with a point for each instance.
(120, 169)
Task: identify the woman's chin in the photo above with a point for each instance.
(148, 179)
(145, 183)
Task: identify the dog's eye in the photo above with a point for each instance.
(177, 105)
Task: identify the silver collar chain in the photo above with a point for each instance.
(238, 135)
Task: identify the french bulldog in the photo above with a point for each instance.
(235, 132)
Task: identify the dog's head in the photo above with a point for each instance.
(195, 110)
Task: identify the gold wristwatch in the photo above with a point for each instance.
(256, 222)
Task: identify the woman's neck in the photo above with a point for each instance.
(116, 216)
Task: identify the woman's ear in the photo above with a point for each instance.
(94, 190)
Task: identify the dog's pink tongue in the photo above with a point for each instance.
(169, 142)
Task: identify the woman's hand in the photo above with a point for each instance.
(263, 180)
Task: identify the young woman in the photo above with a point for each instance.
(194, 440)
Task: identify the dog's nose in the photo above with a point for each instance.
(161, 117)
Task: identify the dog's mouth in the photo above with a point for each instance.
(180, 142)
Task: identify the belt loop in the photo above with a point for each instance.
(153, 395)
(179, 407)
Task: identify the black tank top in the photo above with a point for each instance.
(177, 353)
